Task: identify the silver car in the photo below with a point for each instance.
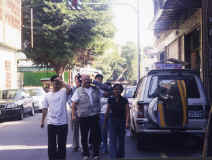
(37, 95)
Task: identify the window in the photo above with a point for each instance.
(139, 90)
(167, 82)
(153, 86)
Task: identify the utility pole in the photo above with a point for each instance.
(32, 38)
(138, 39)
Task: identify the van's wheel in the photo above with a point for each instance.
(132, 131)
(140, 141)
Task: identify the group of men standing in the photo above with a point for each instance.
(85, 102)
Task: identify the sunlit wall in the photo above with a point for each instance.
(10, 41)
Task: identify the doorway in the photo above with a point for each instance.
(192, 50)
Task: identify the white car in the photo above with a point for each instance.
(38, 95)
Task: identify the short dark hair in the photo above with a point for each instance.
(99, 76)
(53, 77)
(108, 83)
(119, 86)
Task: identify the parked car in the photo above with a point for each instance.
(129, 91)
(15, 103)
(37, 95)
(146, 114)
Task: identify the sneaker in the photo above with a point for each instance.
(96, 158)
(85, 158)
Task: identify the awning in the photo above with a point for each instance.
(181, 4)
(174, 12)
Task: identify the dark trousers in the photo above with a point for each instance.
(117, 138)
(57, 137)
(90, 124)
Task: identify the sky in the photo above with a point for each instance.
(125, 20)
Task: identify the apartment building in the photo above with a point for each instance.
(10, 42)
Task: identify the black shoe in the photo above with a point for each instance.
(75, 149)
(90, 147)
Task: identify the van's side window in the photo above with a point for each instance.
(140, 88)
(153, 86)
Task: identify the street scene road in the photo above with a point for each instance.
(25, 140)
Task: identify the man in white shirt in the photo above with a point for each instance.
(75, 122)
(86, 104)
(57, 119)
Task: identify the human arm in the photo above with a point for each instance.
(73, 110)
(106, 115)
(74, 103)
(44, 113)
(45, 106)
(102, 86)
(64, 85)
(127, 115)
(68, 88)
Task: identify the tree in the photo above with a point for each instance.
(61, 35)
(118, 64)
(111, 63)
(128, 52)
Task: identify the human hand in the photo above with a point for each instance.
(42, 125)
(74, 117)
(127, 125)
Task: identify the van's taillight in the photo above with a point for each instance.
(140, 109)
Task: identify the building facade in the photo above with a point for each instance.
(149, 57)
(10, 42)
(179, 28)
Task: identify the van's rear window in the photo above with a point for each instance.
(157, 82)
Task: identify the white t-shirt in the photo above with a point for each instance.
(75, 97)
(56, 104)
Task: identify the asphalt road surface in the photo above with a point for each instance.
(25, 140)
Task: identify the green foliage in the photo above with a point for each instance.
(33, 78)
(111, 63)
(118, 66)
(66, 76)
(129, 53)
(61, 34)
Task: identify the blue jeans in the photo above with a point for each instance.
(103, 132)
(117, 138)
